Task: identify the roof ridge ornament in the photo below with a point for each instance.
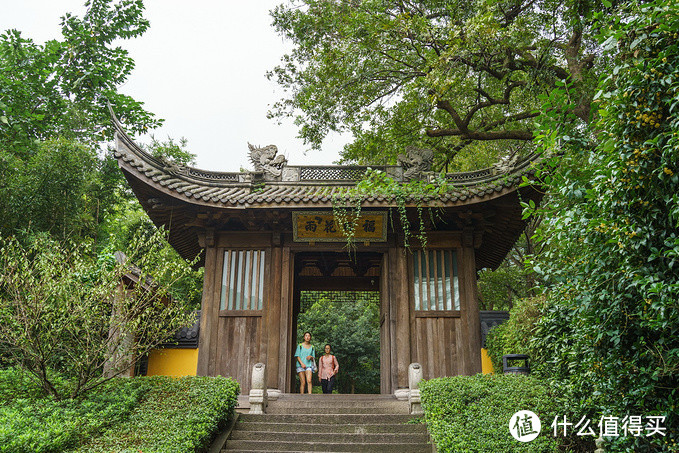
(173, 167)
(506, 164)
(265, 159)
(416, 162)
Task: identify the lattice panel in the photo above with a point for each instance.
(215, 176)
(308, 298)
(471, 176)
(332, 173)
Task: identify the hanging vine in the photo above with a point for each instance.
(376, 183)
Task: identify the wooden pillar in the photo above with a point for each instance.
(469, 344)
(273, 316)
(209, 318)
(399, 309)
(285, 321)
(387, 378)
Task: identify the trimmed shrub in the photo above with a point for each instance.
(33, 423)
(149, 414)
(177, 416)
(472, 413)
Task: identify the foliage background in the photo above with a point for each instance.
(608, 338)
(513, 336)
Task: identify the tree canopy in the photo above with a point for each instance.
(54, 118)
(608, 335)
(62, 87)
(449, 74)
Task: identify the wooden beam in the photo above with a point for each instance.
(338, 283)
(243, 239)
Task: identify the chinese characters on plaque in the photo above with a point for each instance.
(322, 226)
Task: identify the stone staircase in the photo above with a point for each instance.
(330, 423)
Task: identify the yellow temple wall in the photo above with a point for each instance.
(486, 364)
(172, 362)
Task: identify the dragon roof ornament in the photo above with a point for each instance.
(506, 164)
(265, 159)
(416, 162)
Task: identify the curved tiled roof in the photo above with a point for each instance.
(246, 190)
(168, 191)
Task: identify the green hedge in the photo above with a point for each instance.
(33, 423)
(156, 414)
(472, 413)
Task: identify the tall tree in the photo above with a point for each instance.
(54, 116)
(62, 87)
(452, 74)
(609, 336)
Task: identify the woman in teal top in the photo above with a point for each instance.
(306, 362)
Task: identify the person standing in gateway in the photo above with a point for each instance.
(306, 362)
(327, 369)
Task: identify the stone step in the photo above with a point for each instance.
(391, 403)
(334, 438)
(339, 402)
(330, 423)
(335, 397)
(316, 409)
(320, 446)
(362, 428)
(354, 419)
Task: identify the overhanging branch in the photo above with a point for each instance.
(482, 135)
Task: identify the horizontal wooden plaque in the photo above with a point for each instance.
(322, 226)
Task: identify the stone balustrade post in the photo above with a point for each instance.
(414, 378)
(258, 393)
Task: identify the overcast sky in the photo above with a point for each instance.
(201, 67)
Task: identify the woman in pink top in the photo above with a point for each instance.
(327, 369)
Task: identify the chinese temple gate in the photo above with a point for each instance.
(268, 234)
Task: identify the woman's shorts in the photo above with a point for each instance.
(301, 370)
